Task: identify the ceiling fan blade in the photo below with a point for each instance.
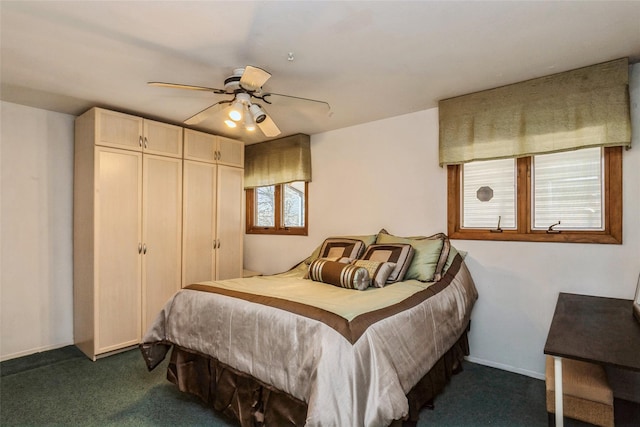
(325, 104)
(268, 127)
(253, 77)
(207, 112)
(190, 87)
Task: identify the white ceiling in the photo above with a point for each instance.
(368, 59)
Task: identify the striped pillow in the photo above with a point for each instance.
(378, 271)
(338, 274)
(399, 253)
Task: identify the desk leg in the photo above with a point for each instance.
(557, 367)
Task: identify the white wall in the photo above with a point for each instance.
(36, 179)
(379, 175)
(386, 174)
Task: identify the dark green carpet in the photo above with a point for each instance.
(63, 387)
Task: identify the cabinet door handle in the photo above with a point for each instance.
(139, 248)
(218, 243)
(145, 142)
(140, 141)
(144, 249)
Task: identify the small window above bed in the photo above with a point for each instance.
(278, 209)
(276, 174)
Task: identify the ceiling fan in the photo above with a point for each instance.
(245, 85)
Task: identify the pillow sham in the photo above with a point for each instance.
(400, 254)
(339, 274)
(430, 256)
(341, 247)
(378, 271)
(366, 239)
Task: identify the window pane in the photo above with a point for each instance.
(293, 204)
(265, 206)
(489, 193)
(567, 187)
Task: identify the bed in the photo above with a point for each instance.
(295, 349)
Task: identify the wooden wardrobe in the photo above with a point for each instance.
(128, 225)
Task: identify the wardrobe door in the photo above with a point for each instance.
(230, 152)
(199, 234)
(200, 146)
(162, 233)
(117, 130)
(229, 222)
(162, 138)
(118, 230)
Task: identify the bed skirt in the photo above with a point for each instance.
(254, 403)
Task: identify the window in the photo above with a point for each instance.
(278, 209)
(573, 196)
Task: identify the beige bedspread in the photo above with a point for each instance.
(352, 356)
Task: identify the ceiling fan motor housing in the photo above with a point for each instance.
(232, 83)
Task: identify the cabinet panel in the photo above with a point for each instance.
(231, 152)
(199, 206)
(118, 130)
(118, 211)
(199, 146)
(230, 222)
(162, 233)
(213, 149)
(162, 138)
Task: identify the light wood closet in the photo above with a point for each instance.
(212, 208)
(128, 221)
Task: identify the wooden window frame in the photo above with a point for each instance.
(279, 228)
(611, 234)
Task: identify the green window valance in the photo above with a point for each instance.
(576, 109)
(278, 161)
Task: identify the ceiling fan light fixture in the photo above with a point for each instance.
(235, 115)
(258, 113)
(235, 112)
(249, 124)
(238, 106)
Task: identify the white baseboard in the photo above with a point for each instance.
(508, 368)
(33, 351)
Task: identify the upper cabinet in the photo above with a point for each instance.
(129, 132)
(208, 148)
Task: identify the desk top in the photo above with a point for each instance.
(595, 329)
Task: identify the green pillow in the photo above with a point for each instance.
(427, 256)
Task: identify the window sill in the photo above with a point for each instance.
(537, 236)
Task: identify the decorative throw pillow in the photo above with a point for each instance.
(339, 274)
(378, 271)
(430, 257)
(366, 239)
(341, 247)
(342, 260)
(400, 254)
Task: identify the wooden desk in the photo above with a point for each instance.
(593, 329)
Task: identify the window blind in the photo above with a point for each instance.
(278, 161)
(576, 109)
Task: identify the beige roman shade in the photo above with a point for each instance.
(278, 161)
(576, 109)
